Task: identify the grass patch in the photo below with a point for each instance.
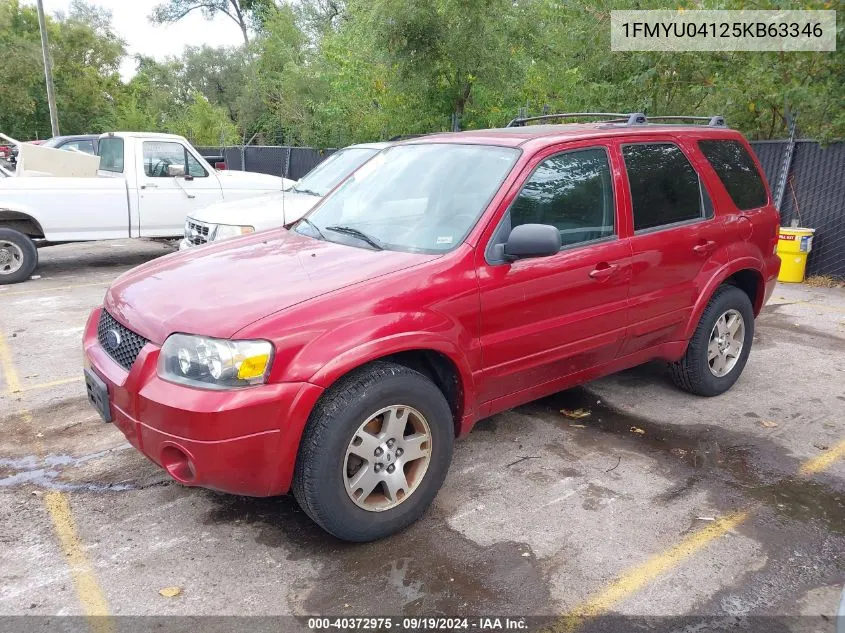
(824, 281)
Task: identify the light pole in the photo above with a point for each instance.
(48, 70)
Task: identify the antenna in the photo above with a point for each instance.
(284, 175)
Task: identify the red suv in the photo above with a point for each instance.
(449, 278)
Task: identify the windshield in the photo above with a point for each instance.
(420, 198)
(325, 176)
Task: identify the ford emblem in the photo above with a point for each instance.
(112, 340)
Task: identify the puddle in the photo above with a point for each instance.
(804, 500)
(428, 569)
(701, 455)
(46, 472)
(699, 447)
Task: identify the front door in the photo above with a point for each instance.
(545, 318)
(164, 200)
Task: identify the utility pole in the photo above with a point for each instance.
(48, 70)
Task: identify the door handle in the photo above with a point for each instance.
(704, 247)
(149, 186)
(604, 270)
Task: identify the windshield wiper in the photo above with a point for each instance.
(314, 226)
(348, 230)
(310, 192)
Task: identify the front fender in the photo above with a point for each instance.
(407, 341)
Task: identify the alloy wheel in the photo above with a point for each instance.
(726, 341)
(387, 458)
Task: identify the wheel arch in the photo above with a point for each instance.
(438, 360)
(746, 274)
(21, 222)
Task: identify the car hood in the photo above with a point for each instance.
(251, 180)
(221, 288)
(267, 211)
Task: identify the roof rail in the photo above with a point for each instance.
(712, 121)
(635, 118)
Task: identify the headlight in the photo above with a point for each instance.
(226, 231)
(212, 363)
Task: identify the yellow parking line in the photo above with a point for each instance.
(87, 588)
(637, 577)
(13, 384)
(823, 461)
(47, 385)
(40, 291)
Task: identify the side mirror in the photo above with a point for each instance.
(532, 240)
(175, 171)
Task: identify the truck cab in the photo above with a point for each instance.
(138, 185)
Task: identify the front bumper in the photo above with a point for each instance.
(184, 244)
(241, 441)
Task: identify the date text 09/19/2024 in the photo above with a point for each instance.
(492, 623)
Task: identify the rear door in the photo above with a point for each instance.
(742, 195)
(165, 201)
(545, 318)
(675, 236)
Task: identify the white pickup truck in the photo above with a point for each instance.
(146, 185)
(230, 219)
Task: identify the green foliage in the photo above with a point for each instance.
(86, 56)
(333, 72)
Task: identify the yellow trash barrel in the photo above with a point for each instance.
(794, 244)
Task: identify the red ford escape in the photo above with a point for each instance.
(449, 278)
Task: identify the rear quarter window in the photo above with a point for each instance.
(737, 171)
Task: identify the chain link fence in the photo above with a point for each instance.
(813, 197)
(289, 162)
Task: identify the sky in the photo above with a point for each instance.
(129, 18)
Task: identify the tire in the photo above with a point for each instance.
(18, 257)
(695, 372)
(324, 461)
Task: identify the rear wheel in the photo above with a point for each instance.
(375, 452)
(719, 348)
(18, 256)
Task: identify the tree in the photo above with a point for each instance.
(204, 123)
(241, 12)
(86, 56)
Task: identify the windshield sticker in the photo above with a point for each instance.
(444, 239)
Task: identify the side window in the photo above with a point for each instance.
(82, 146)
(572, 191)
(664, 186)
(159, 156)
(737, 171)
(194, 168)
(111, 154)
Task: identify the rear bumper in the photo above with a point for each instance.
(772, 270)
(241, 441)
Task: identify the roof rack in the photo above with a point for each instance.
(712, 121)
(633, 118)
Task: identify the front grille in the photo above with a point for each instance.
(196, 232)
(121, 343)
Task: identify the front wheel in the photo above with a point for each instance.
(375, 452)
(18, 256)
(719, 348)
